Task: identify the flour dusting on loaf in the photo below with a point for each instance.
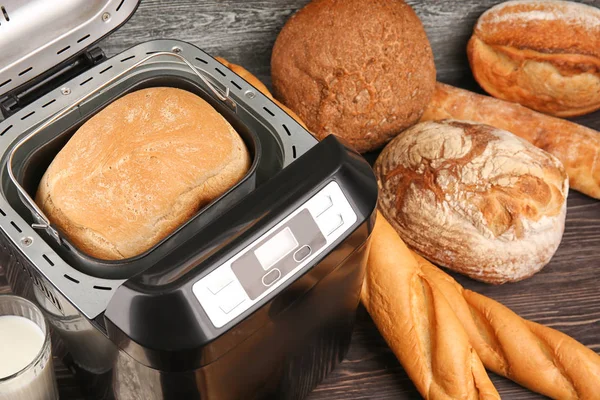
(474, 198)
(140, 168)
(526, 11)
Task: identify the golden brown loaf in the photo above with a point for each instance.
(138, 169)
(540, 358)
(474, 198)
(360, 70)
(542, 54)
(418, 324)
(576, 146)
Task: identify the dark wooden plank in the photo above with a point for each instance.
(564, 295)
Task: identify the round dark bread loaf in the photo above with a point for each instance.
(361, 70)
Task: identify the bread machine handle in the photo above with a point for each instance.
(42, 220)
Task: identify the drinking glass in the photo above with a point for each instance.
(36, 381)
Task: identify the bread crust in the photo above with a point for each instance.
(538, 357)
(364, 82)
(418, 324)
(542, 54)
(138, 169)
(576, 146)
(474, 198)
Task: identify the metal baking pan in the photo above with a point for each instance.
(32, 159)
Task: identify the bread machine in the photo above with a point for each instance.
(253, 297)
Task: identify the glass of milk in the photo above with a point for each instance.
(26, 371)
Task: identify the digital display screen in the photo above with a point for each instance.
(276, 248)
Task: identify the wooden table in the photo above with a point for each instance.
(565, 295)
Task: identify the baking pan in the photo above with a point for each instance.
(33, 158)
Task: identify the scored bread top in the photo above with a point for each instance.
(474, 198)
(544, 26)
(138, 169)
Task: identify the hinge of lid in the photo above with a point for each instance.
(50, 80)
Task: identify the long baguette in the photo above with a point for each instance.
(418, 324)
(540, 358)
(576, 146)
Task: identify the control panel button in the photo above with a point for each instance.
(302, 253)
(271, 277)
(231, 297)
(321, 204)
(330, 222)
(218, 281)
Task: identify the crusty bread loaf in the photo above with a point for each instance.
(542, 54)
(576, 146)
(535, 356)
(360, 70)
(138, 169)
(474, 198)
(415, 306)
(418, 324)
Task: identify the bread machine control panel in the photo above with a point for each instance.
(274, 258)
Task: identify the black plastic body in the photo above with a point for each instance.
(140, 317)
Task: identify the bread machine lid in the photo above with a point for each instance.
(37, 35)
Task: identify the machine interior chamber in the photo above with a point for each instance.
(33, 158)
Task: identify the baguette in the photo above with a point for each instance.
(418, 324)
(535, 356)
(576, 146)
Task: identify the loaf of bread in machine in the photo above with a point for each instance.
(542, 54)
(138, 169)
(474, 198)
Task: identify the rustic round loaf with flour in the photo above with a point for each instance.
(138, 169)
(544, 55)
(474, 198)
(360, 70)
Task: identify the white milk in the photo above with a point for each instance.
(21, 340)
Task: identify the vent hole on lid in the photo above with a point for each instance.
(236, 85)
(269, 111)
(106, 69)
(5, 82)
(6, 130)
(294, 151)
(25, 71)
(5, 14)
(201, 60)
(2, 212)
(63, 50)
(48, 103)
(120, 4)
(102, 288)
(16, 226)
(127, 58)
(27, 116)
(48, 260)
(287, 130)
(83, 38)
(219, 71)
(151, 52)
(86, 81)
(70, 278)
